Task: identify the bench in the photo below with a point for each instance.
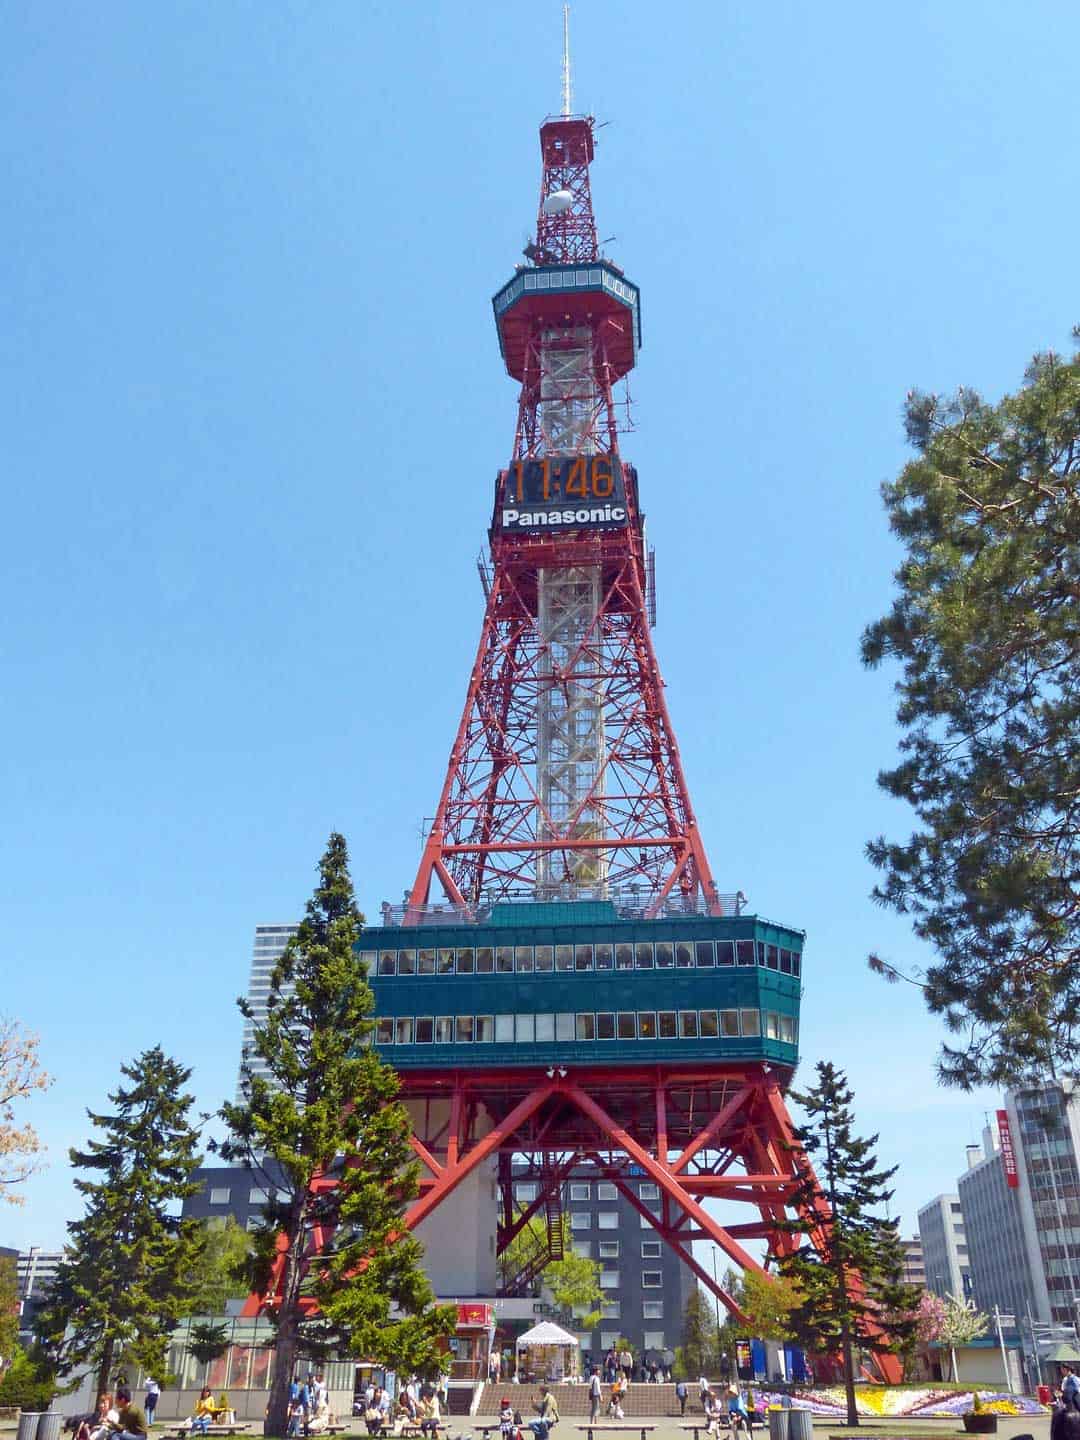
(214, 1430)
(703, 1424)
(619, 1426)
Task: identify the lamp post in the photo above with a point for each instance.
(716, 1299)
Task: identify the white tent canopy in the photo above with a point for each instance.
(547, 1333)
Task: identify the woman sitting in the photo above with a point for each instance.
(205, 1410)
(430, 1415)
(321, 1419)
(99, 1425)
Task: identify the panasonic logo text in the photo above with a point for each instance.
(592, 515)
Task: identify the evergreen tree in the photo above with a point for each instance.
(126, 1276)
(848, 1291)
(329, 1095)
(698, 1348)
(986, 627)
(223, 1267)
(9, 1310)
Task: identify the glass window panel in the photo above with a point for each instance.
(580, 1192)
(605, 1027)
(627, 1025)
(710, 1024)
(446, 962)
(643, 955)
(725, 952)
(787, 1029)
(606, 1191)
(504, 960)
(465, 962)
(425, 962)
(650, 1250)
(384, 1032)
(485, 1029)
(564, 1027)
(525, 1027)
(729, 1022)
(772, 1025)
(609, 1279)
(772, 957)
(425, 1030)
(444, 1029)
(688, 1024)
(648, 1191)
(751, 1022)
(605, 957)
(406, 962)
(564, 957)
(523, 959)
(796, 963)
(785, 962)
(545, 1027)
(504, 1029)
(544, 957)
(704, 953)
(485, 960)
(647, 1221)
(745, 952)
(464, 1028)
(646, 1022)
(525, 1192)
(652, 1310)
(580, 1219)
(582, 957)
(586, 1027)
(665, 955)
(667, 1026)
(388, 962)
(684, 954)
(609, 1249)
(651, 1279)
(607, 1220)
(624, 957)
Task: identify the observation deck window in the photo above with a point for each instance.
(667, 1025)
(485, 960)
(524, 1028)
(504, 960)
(785, 962)
(729, 1023)
(751, 1022)
(626, 1025)
(624, 957)
(605, 957)
(425, 962)
(725, 952)
(586, 1027)
(465, 962)
(772, 1025)
(406, 962)
(485, 1029)
(643, 955)
(772, 957)
(684, 955)
(545, 1027)
(445, 963)
(403, 1032)
(605, 1027)
(504, 1029)
(688, 1024)
(709, 1024)
(582, 957)
(746, 952)
(388, 962)
(523, 958)
(564, 1026)
(703, 950)
(444, 1029)
(796, 963)
(787, 1029)
(544, 957)
(425, 1029)
(665, 955)
(465, 1029)
(564, 957)
(646, 1023)
(384, 1032)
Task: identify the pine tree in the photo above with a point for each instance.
(986, 628)
(323, 1093)
(126, 1276)
(698, 1348)
(847, 1273)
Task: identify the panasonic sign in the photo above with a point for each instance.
(603, 516)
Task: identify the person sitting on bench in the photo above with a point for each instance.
(204, 1412)
(548, 1416)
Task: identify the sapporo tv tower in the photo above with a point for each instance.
(564, 983)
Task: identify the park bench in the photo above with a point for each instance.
(185, 1429)
(621, 1426)
(703, 1424)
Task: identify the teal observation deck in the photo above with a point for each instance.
(550, 983)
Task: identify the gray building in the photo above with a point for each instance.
(914, 1271)
(993, 1225)
(35, 1270)
(270, 942)
(1044, 1125)
(944, 1245)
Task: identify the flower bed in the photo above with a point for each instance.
(883, 1402)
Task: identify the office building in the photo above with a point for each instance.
(35, 1270)
(944, 1246)
(1043, 1134)
(270, 942)
(1001, 1274)
(914, 1271)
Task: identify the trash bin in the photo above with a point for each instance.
(28, 1423)
(48, 1425)
(778, 1423)
(1043, 1392)
(800, 1424)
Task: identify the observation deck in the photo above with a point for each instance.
(573, 983)
(595, 294)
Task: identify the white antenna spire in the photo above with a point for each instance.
(567, 94)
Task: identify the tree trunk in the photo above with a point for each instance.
(952, 1357)
(287, 1341)
(105, 1367)
(846, 1350)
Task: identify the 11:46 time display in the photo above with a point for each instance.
(557, 478)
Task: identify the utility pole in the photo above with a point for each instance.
(716, 1298)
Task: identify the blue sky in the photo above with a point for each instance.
(251, 409)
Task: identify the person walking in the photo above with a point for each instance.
(594, 1395)
(150, 1399)
(626, 1364)
(1070, 1385)
(681, 1395)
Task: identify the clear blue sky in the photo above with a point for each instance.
(251, 408)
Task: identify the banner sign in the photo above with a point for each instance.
(1008, 1154)
(469, 1316)
(561, 492)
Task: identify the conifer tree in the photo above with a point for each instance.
(126, 1276)
(848, 1290)
(322, 1093)
(698, 1349)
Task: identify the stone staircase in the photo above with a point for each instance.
(573, 1400)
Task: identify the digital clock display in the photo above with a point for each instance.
(562, 492)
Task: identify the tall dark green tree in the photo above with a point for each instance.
(321, 1093)
(848, 1292)
(126, 1276)
(697, 1351)
(986, 629)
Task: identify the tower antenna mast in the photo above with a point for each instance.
(567, 95)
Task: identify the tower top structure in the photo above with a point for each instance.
(567, 90)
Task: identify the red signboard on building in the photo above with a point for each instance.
(1008, 1154)
(471, 1316)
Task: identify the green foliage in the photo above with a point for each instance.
(9, 1310)
(20, 1077)
(697, 1353)
(329, 1094)
(846, 1272)
(223, 1267)
(29, 1382)
(208, 1342)
(573, 1281)
(769, 1302)
(986, 628)
(126, 1276)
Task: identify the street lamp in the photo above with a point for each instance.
(716, 1299)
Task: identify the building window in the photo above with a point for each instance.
(582, 1248)
(688, 1024)
(606, 1191)
(607, 1220)
(650, 1249)
(654, 1339)
(605, 959)
(665, 957)
(609, 1279)
(643, 955)
(403, 1031)
(651, 1279)
(609, 1249)
(384, 1032)
(646, 1025)
(582, 957)
(564, 1027)
(504, 960)
(406, 962)
(504, 1029)
(729, 1022)
(523, 959)
(545, 1027)
(445, 963)
(684, 954)
(745, 952)
(580, 1192)
(219, 1197)
(258, 1197)
(652, 1309)
(605, 1027)
(444, 1029)
(254, 1223)
(525, 1028)
(725, 952)
(464, 962)
(627, 1025)
(751, 1022)
(580, 1220)
(709, 1024)
(524, 1193)
(545, 958)
(667, 1026)
(464, 1030)
(485, 1029)
(608, 1339)
(648, 1191)
(703, 953)
(425, 1029)
(648, 1221)
(585, 1340)
(586, 1027)
(611, 1310)
(425, 962)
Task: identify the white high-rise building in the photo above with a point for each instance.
(270, 942)
(944, 1245)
